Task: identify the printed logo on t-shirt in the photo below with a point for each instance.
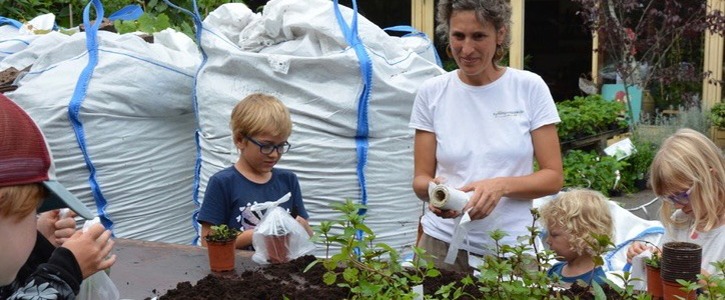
(250, 219)
(507, 114)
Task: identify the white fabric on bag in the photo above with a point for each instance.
(296, 51)
(139, 127)
(13, 40)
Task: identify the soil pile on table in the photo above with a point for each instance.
(282, 280)
(289, 281)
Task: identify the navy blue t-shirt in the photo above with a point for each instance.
(597, 276)
(229, 196)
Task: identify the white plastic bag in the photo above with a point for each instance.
(279, 238)
(98, 285)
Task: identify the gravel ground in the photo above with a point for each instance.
(638, 204)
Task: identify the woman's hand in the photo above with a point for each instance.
(91, 249)
(446, 214)
(486, 195)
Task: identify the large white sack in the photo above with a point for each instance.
(16, 37)
(296, 51)
(138, 124)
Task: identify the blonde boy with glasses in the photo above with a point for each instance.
(261, 125)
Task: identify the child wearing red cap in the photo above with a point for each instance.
(30, 265)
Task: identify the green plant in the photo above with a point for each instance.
(717, 115)
(635, 173)
(222, 233)
(590, 115)
(370, 271)
(710, 286)
(653, 261)
(512, 272)
(591, 170)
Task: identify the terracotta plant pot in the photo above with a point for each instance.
(277, 248)
(221, 256)
(654, 283)
(673, 291)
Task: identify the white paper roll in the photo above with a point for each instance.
(446, 198)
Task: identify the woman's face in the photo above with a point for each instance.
(473, 45)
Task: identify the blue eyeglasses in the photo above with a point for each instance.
(681, 198)
(269, 148)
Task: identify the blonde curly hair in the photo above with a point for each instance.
(580, 213)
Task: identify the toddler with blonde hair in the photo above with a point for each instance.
(572, 219)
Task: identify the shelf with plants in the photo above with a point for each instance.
(717, 117)
(590, 120)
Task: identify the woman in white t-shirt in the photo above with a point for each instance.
(688, 174)
(479, 128)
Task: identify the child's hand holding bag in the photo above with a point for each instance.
(98, 285)
(279, 238)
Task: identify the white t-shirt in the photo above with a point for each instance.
(484, 132)
(712, 243)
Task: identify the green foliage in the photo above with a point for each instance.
(638, 163)
(222, 233)
(374, 271)
(709, 286)
(587, 116)
(69, 13)
(717, 115)
(654, 260)
(590, 170)
(370, 271)
(147, 23)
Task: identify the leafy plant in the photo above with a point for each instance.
(717, 115)
(708, 286)
(222, 233)
(654, 260)
(370, 271)
(591, 170)
(590, 115)
(638, 162)
(512, 272)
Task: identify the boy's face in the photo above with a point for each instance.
(18, 240)
(558, 241)
(257, 161)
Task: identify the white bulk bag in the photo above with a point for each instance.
(297, 51)
(129, 118)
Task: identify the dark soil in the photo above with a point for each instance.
(288, 281)
(280, 281)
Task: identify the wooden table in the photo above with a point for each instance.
(148, 269)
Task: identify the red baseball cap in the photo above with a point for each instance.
(26, 158)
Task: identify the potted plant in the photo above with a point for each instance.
(654, 279)
(220, 245)
(717, 117)
(680, 263)
(278, 246)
